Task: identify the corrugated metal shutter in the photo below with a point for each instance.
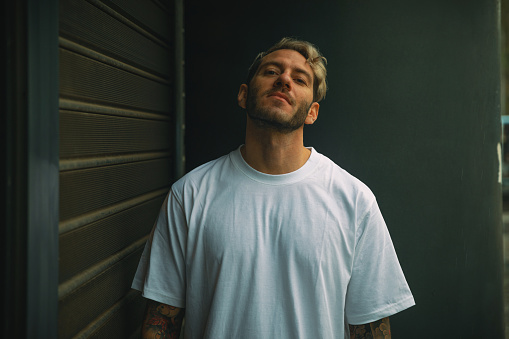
(116, 141)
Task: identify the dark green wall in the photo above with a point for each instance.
(413, 110)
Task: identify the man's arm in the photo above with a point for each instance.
(380, 329)
(162, 321)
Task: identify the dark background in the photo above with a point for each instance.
(413, 110)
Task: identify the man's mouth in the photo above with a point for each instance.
(281, 95)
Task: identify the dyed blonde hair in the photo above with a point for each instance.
(313, 56)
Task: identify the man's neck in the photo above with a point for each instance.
(272, 152)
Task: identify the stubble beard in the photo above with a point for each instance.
(267, 117)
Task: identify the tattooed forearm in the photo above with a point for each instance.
(380, 329)
(162, 321)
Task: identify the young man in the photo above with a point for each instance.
(273, 240)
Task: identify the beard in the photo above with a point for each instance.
(268, 117)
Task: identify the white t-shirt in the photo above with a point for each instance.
(252, 255)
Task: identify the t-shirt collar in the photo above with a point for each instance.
(275, 179)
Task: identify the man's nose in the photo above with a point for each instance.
(284, 80)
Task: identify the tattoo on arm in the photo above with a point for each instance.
(162, 321)
(380, 329)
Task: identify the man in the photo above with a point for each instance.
(273, 240)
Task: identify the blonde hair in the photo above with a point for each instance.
(313, 56)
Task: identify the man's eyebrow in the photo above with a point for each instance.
(271, 63)
(304, 72)
(280, 65)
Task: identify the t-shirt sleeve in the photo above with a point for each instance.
(377, 287)
(161, 273)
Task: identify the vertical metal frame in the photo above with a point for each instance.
(42, 168)
(180, 159)
(12, 148)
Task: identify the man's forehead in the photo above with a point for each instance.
(288, 55)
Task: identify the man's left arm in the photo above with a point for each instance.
(380, 329)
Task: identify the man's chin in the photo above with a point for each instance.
(274, 124)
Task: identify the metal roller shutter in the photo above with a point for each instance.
(116, 155)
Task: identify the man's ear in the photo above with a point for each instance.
(312, 113)
(242, 96)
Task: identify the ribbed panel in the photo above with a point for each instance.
(87, 134)
(82, 191)
(98, 29)
(97, 241)
(116, 150)
(87, 302)
(145, 14)
(114, 326)
(84, 79)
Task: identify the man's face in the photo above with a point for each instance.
(280, 95)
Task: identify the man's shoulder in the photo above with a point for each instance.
(206, 171)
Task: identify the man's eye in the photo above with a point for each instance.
(301, 81)
(270, 72)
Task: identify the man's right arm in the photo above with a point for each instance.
(162, 321)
